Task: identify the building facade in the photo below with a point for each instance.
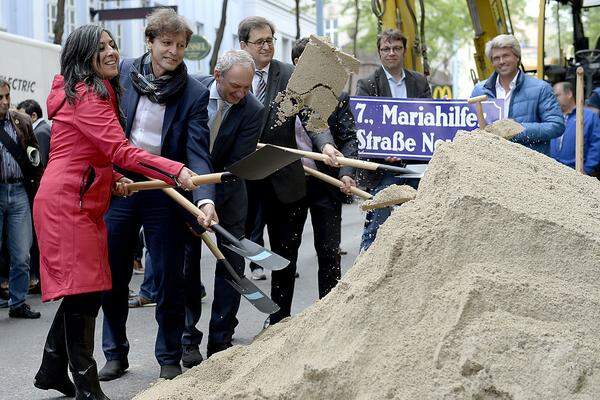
(35, 19)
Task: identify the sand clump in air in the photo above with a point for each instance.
(317, 81)
(486, 286)
(391, 195)
(505, 128)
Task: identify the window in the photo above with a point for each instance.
(331, 30)
(69, 24)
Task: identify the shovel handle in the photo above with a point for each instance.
(349, 162)
(212, 246)
(579, 137)
(479, 109)
(197, 179)
(336, 182)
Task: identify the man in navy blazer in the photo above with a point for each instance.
(166, 114)
(235, 120)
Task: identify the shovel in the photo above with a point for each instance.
(243, 247)
(370, 203)
(241, 284)
(479, 109)
(220, 177)
(350, 162)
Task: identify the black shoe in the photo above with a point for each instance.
(191, 356)
(53, 371)
(213, 348)
(79, 335)
(23, 311)
(113, 369)
(169, 371)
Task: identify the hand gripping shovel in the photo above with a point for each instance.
(241, 284)
(243, 247)
(221, 177)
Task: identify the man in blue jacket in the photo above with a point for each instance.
(166, 114)
(562, 149)
(527, 100)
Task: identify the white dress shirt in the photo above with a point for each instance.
(503, 94)
(146, 132)
(397, 87)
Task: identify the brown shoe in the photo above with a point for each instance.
(141, 301)
(138, 268)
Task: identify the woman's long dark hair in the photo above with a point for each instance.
(77, 58)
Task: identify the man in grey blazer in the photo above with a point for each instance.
(276, 201)
(395, 81)
(41, 129)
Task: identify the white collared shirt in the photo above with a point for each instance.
(503, 94)
(265, 77)
(397, 88)
(213, 103)
(36, 123)
(146, 132)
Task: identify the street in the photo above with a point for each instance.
(22, 341)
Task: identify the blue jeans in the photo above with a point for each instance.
(148, 287)
(375, 218)
(15, 215)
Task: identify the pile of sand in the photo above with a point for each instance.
(316, 83)
(390, 196)
(486, 286)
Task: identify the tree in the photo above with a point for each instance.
(297, 19)
(219, 38)
(59, 25)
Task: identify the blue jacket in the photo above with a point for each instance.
(534, 106)
(185, 134)
(562, 149)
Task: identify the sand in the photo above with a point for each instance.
(390, 196)
(505, 128)
(485, 287)
(316, 83)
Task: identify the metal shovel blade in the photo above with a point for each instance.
(262, 163)
(258, 254)
(254, 295)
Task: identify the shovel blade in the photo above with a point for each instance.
(262, 163)
(254, 295)
(258, 255)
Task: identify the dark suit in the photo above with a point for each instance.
(325, 201)
(278, 198)
(377, 85)
(42, 134)
(237, 137)
(185, 139)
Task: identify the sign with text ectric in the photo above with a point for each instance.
(411, 129)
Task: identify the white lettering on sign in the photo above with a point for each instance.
(457, 116)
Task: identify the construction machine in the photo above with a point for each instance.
(491, 18)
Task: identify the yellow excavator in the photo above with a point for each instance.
(489, 19)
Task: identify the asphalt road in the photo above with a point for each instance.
(22, 341)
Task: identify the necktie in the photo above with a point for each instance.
(216, 122)
(261, 87)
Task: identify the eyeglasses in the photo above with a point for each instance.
(387, 50)
(261, 42)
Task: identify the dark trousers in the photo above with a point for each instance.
(164, 233)
(284, 222)
(231, 208)
(326, 218)
(255, 224)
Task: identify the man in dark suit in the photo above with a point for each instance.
(166, 114)
(235, 120)
(41, 130)
(322, 199)
(280, 195)
(395, 81)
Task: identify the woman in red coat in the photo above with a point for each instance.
(87, 140)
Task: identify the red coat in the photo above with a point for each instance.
(74, 193)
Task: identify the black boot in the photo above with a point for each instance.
(79, 330)
(53, 371)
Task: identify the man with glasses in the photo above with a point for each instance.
(389, 80)
(277, 200)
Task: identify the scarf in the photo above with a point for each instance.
(158, 90)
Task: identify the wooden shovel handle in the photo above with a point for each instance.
(579, 138)
(336, 182)
(349, 162)
(155, 184)
(479, 109)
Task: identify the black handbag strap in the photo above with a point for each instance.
(15, 150)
